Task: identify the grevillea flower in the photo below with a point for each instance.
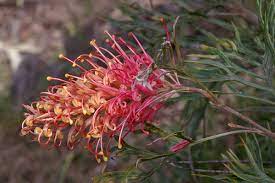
(120, 91)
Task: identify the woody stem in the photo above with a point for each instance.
(226, 108)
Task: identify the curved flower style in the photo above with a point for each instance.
(116, 96)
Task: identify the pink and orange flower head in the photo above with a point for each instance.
(115, 96)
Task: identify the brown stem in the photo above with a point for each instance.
(248, 120)
(226, 108)
(217, 161)
(233, 125)
(212, 171)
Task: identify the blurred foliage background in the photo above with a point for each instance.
(225, 47)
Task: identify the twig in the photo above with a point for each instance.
(248, 120)
(214, 101)
(191, 165)
(233, 125)
(216, 161)
(212, 171)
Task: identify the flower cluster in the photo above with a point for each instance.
(120, 91)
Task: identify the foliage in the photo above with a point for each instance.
(254, 170)
(230, 59)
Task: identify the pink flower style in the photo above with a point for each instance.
(121, 91)
(179, 146)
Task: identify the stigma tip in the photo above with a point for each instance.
(119, 145)
(49, 78)
(60, 56)
(93, 42)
